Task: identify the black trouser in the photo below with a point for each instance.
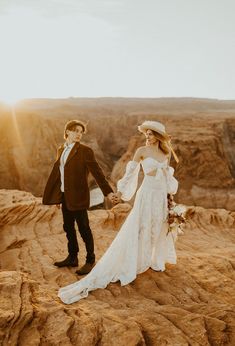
(81, 217)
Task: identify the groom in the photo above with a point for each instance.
(68, 185)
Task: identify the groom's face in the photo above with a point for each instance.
(74, 135)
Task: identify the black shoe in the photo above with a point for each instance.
(67, 262)
(85, 269)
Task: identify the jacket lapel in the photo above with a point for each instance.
(59, 152)
(72, 152)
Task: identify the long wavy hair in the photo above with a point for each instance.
(162, 143)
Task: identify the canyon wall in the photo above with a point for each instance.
(203, 135)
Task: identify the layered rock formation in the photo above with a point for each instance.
(191, 303)
(206, 168)
(203, 134)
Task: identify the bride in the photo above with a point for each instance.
(142, 241)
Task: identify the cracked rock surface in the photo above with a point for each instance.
(191, 303)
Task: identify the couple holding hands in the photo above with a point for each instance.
(143, 241)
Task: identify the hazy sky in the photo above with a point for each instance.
(130, 48)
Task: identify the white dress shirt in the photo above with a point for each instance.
(63, 159)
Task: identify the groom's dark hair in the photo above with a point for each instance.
(71, 125)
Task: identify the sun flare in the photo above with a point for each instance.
(10, 100)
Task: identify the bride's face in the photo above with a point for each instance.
(150, 138)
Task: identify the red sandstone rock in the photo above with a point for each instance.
(191, 303)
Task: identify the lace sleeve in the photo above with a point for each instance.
(172, 183)
(128, 184)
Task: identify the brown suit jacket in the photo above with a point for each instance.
(80, 161)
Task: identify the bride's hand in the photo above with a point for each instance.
(170, 219)
(170, 199)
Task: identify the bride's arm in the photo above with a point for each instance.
(172, 183)
(138, 154)
(126, 186)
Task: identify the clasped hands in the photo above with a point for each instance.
(115, 197)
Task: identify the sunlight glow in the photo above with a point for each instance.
(50, 57)
(10, 100)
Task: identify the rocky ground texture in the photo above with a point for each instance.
(191, 303)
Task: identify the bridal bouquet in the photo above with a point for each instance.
(176, 218)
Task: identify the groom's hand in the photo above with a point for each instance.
(110, 196)
(114, 197)
(117, 197)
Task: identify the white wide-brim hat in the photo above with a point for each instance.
(159, 128)
(154, 126)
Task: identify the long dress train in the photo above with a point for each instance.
(142, 241)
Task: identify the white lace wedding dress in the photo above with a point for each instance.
(142, 241)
